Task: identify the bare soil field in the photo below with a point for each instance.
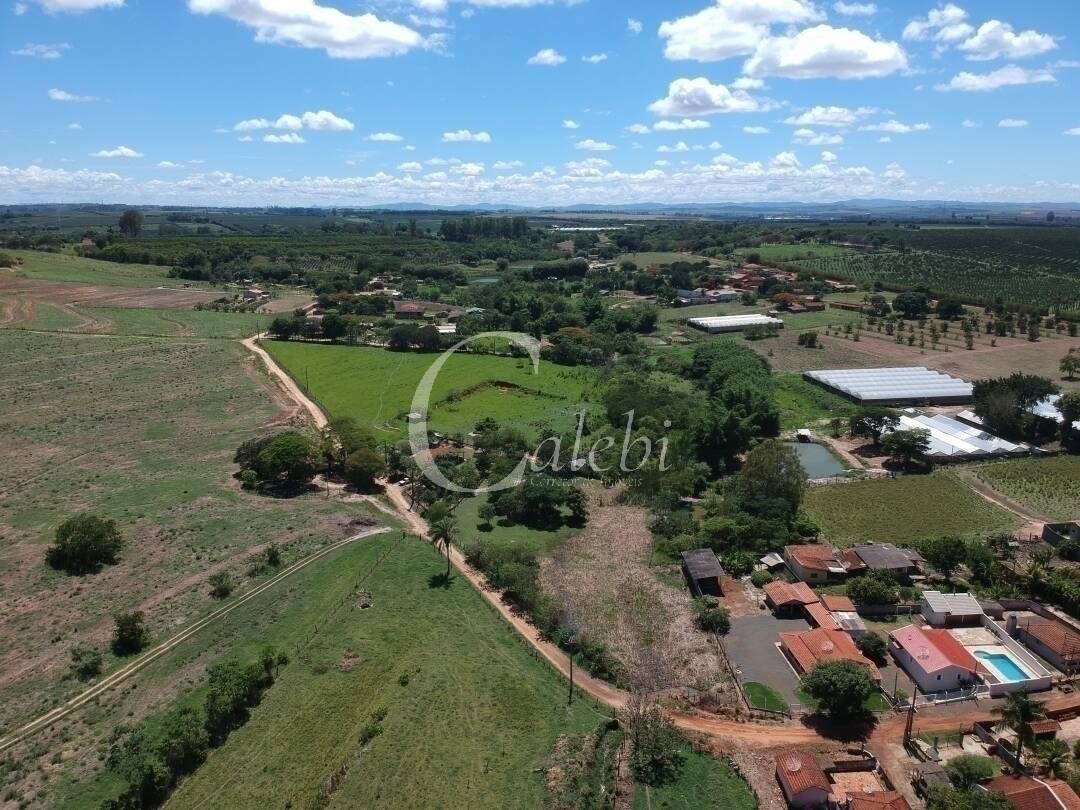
(107, 296)
(603, 579)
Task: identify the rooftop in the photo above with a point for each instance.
(886, 556)
(1057, 636)
(734, 321)
(811, 647)
(838, 604)
(701, 563)
(782, 594)
(893, 384)
(952, 438)
(816, 557)
(889, 800)
(819, 616)
(799, 771)
(933, 649)
(1025, 793)
(954, 604)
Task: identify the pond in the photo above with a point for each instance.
(817, 460)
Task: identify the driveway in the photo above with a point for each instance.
(751, 645)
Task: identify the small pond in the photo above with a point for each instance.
(817, 460)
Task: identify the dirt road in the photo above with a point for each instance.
(130, 669)
(286, 382)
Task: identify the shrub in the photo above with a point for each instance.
(129, 634)
(85, 663)
(711, 617)
(220, 585)
(84, 544)
(968, 770)
(873, 646)
(363, 467)
(874, 588)
(841, 688)
(659, 750)
(761, 578)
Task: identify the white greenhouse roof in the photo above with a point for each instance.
(734, 321)
(893, 384)
(951, 438)
(1048, 409)
(954, 604)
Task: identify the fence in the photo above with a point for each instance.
(968, 693)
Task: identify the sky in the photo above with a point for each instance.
(537, 102)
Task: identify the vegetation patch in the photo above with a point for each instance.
(1048, 486)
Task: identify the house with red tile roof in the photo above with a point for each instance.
(1025, 793)
(815, 562)
(1052, 639)
(935, 659)
(818, 616)
(802, 780)
(812, 647)
(786, 597)
(886, 800)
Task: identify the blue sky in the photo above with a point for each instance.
(329, 102)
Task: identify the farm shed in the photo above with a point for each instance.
(802, 780)
(954, 440)
(950, 609)
(733, 323)
(1057, 533)
(703, 571)
(934, 659)
(1050, 639)
(894, 386)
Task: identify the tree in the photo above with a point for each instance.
(1018, 713)
(658, 752)
(131, 222)
(873, 588)
(905, 447)
(949, 309)
(220, 585)
(1070, 365)
(873, 646)
(1069, 405)
(289, 459)
(711, 617)
(129, 633)
(968, 770)
(945, 554)
(486, 513)
(912, 305)
(772, 475)
(946, 797)
(334, 327)
(84, 544)
(871, 422)
(718, 435)
(85, 663)
(1054, 757)
(363, 467)
(841, 688)
(443, 531)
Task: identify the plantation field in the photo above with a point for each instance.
(68, 267)
(787, 253)
(903, 510)
(1047, 486)
(376, 387)
(704, 783)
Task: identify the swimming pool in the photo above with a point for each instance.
(1003, 666)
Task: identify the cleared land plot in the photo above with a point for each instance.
(376, 387)
(151, 297)
(903, 510)
(141, 431)
(49, 316)
(1047, 486)
(704, 783)
(788, 253)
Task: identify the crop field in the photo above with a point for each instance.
(141, 431)
(51, 316)
(376, 387)
(788, 253)
(68, 267)
(704, 783)
(903, 510)
(1047, 486)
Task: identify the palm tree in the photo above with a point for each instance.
(442, 533)
(1017, 713)
(1054, 756)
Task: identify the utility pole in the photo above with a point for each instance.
(570, 699)
(911, 716)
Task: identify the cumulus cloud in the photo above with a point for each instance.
(633, 26)
(731, 28)
(683, 124)
(830, 116)
(1012, 123)
(409, 167)
(828, 157)
(56, 94)
(288, 137)
(945, 24)
(756, 130)
(1073, 131)
(747, 83)
(74, 126)
(681, 146)
(1008, 76)
(824, 52)
(786, 160)
(967, 123)
(307, 24)
(590, 145)
(466, 136)
(385, 137)
(42, 51)
(998, 40)
(118, 152)
(854, 10)
(323, 120)
(595, 58)
(639, 129)
(73, 6)
(571, 124)
(547, 57)
(811, 138)
(508, 165)
(894, 127)
(168, 164)
(695, 97)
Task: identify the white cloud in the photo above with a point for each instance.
(633, 26)
(831, 116)
(590, 145)
(309, 25)
(967, 123)
(894, 127)
(854, 10)
(547, 57)
(595, 59)
(730, 28)
(410, 166)
(826, 52)
(884, 139)
(694, 97)
(72, 6)
(288, 137)
(118, 152)
(508, 165)
(385, 137)
(812, 138)
(945, 24)
(1012, 123)
(168, 164)
(746, 83)
(786, 160)
(638, 129)
(828, 157)
(466, 136)
(42, 51)
(1010, 75)
(324, 120)
(571, 124)
(245, 139)
(679, 147)
(19, 9)
(468, 169)
(756, 130)
(57, 94)
(1073, 131)
(74, 126)
(997, 40)
(679, 126)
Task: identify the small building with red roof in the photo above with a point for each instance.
(812, 647)
(935, 659)
(788, 597)
(1025, 793)
(802, 780)
(885, 800)
(815, 562)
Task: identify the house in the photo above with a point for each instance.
(843, 612)
(802, 780)
(935, 659)
(685, 298)
(87, 242)
(412, 310)
(703, 572)
(812, 647)
(252, 294)
(1043, 730)
(902, 562)
(819, 616)
(788, 597)
(1051, 639)
(950, 609)
(814, 563)
(1026, 793)
(886, 800)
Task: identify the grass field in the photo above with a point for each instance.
(765, 697)
(376, 387)
(704, 784)
(51, 317)
(67, 267)
(1048, 486)
(537, 540)
(803, 404)
(903, 510)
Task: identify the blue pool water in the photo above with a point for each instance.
(1004, 665)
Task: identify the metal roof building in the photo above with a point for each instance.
(894, 386)
(733, 323)
(1049, 409)
(952, 439)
